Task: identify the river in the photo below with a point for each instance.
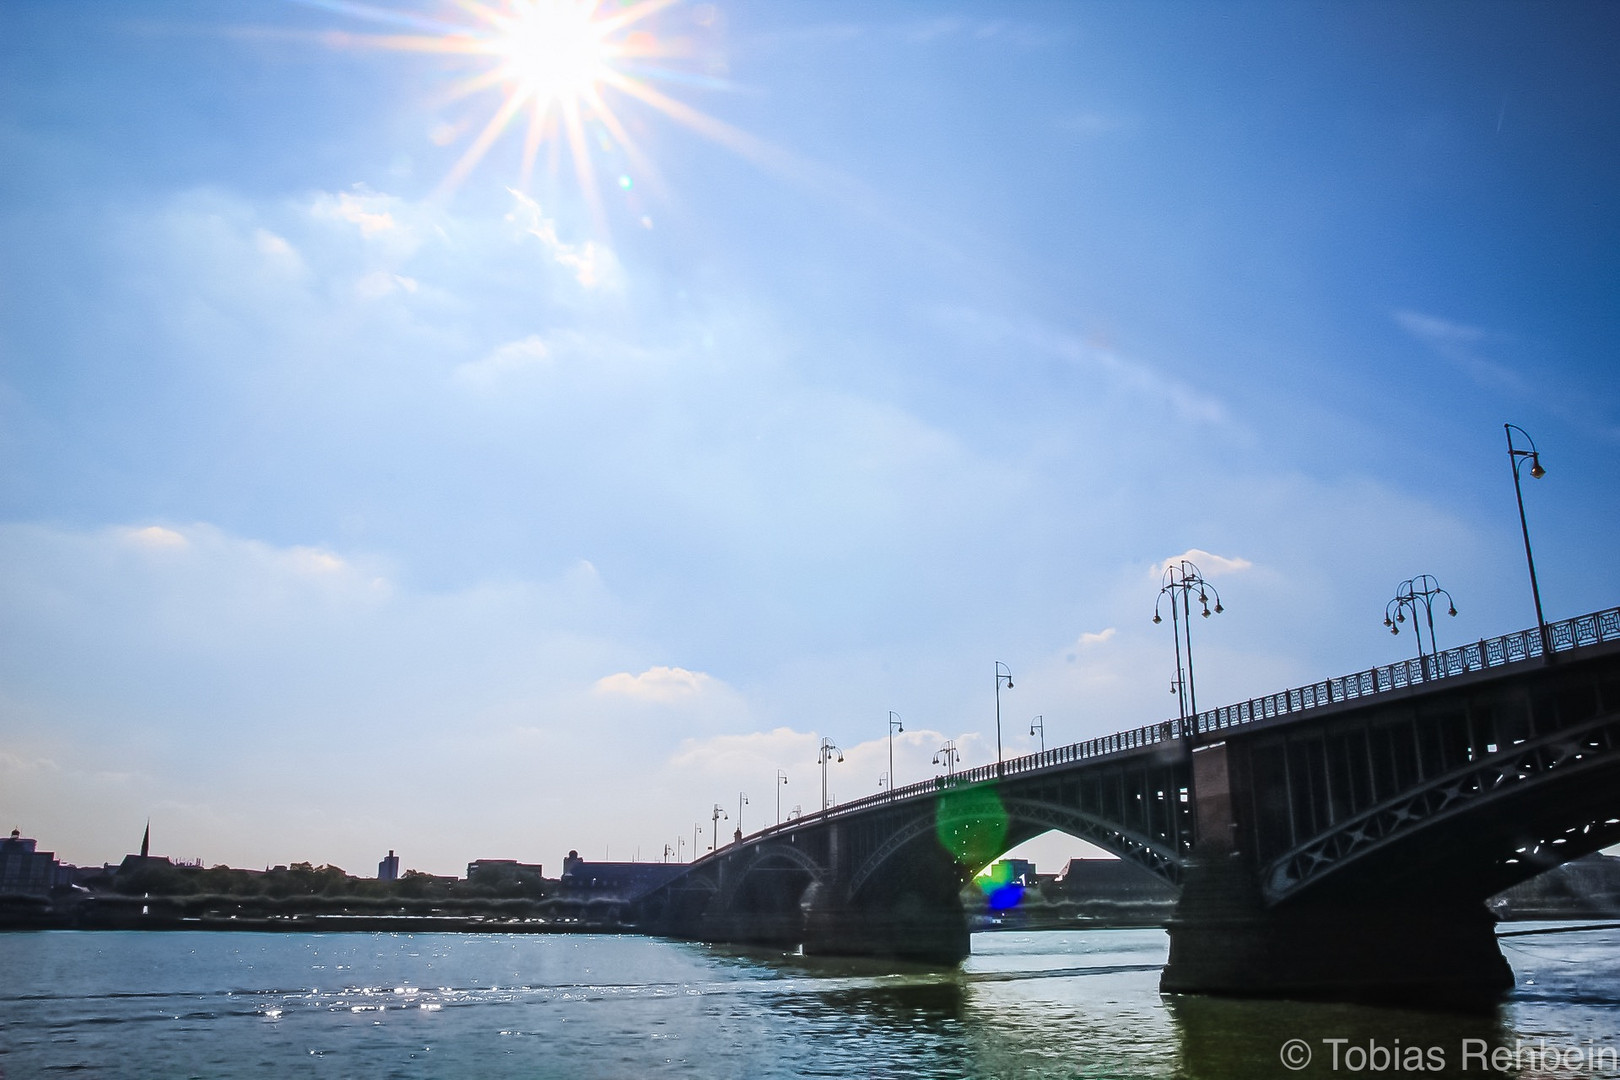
(1024, 1005)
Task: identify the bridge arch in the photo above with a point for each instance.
(756, 859)
(1147, 852)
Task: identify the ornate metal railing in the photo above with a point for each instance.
(1495, 652)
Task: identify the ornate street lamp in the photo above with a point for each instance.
(947, 756)
(1039, 724)
(781, 778)
(1414, 591)
(1184, 578)
(827, 751)
(1003, 673)
(1517, 457)
(715, 817)
(894, 726)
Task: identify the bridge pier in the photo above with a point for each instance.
(1396, 950)
(1421, 946)
(934, 933)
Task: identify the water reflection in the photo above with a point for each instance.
(1229, 1039)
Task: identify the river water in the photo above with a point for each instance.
(1049, 1004)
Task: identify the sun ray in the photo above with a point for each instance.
(481, 144)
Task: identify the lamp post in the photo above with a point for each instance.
(894, 726)
(697, 830)
(1517, 457)
(828, 749)
(742, 801)
(1412, 592)
(714, 843)
(781, 778)
(949, 753)
(1003, 672)
(1183, 578)
(883, 781)
(680, 844)
(1039, 724)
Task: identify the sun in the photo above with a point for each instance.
(553, 66)
(557, 70)
(552, 52)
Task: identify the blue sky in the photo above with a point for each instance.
(344, 508)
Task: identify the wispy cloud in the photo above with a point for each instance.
(1466, 348)
(514, 356)
(1128, 374)
(1098, 637)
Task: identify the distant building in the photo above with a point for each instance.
(618, 880)
(388, 869)
(502, 868)
(1112, 879)
(25, 870)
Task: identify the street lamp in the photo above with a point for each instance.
(714, 844)
(1003, 672)
(1517, 457)
(1412, 592)
(894, 726)
(949, 753)
(680, 844)
(1039, 724)
(827, 751)
(781, 779)
(1183, 577)
(742, 801)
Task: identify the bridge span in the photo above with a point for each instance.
(1333, 840)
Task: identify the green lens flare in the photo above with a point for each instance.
(971, 824)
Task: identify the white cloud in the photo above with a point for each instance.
(753, 753)
(1096, 638)
(593, 265)
(361, 207)
(660, 684)
(1210, 564)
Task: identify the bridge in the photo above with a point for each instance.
(1334, 840)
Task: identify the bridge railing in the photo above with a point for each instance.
(1511, 648)
(1476, 656)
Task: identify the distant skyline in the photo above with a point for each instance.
(374, 476)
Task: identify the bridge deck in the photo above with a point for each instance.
(1285, 706)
